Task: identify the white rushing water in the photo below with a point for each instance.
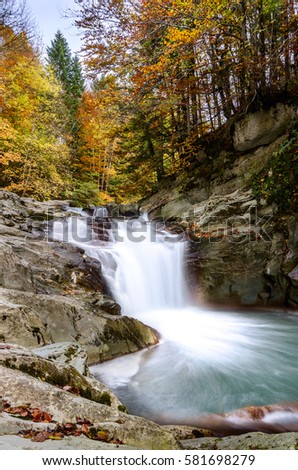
(207, 361)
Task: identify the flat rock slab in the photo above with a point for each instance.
(250, 441)
(68, 443)
(66, 407)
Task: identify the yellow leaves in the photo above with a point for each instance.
(8, 157)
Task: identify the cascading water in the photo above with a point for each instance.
(207, 361)
(147, 267)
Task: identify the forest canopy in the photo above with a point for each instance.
(153, 78)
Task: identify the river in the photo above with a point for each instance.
(207, 361)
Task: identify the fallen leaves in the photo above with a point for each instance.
(70, 389)
(82, 426)
(25, 412)
(40, 436)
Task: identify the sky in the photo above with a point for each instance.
(48, 15)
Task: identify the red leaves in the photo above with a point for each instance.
(82, 426)
(41, 436)
(25, 412)
(83, 421)
(69, 429)
(39, 416)
(70, 389)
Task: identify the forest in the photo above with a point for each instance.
(152, 80)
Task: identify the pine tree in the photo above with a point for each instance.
(68, 71)
(75, 90)
(60, 60)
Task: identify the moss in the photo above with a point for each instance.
(122, 408)
(49, 373)
(70, 352)
(105, 399)
(277, 182)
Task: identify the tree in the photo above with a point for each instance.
(60, 61)
(69, 73)
(34, 153)
(193, 64)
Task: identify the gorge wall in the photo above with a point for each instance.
(243, 248)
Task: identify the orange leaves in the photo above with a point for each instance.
(26, 412)
(82, 426)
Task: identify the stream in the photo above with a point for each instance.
(207, 361)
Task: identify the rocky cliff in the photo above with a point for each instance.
(55, 320)
(237, 202)
(52, 291)
(236, 206)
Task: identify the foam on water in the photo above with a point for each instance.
(207, 361)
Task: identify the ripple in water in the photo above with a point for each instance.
(207, 361)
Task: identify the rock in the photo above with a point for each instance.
(120, 336)
(175, 209)
(10, 442)
(293, 291)
(106, 303)
(65, 407)
(249, 441)
(263, 127)
(129, 210)
(123, 210)
(66, 353)
(21, 324)
(59, 374)
(39, 319)
(187, 432)
(224, 275)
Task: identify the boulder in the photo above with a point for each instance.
(64, 407)
(36, 320)
(129, 210)
(72, 354)
(61, 375)
(263, 127)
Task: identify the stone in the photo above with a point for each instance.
(65, 407)
(66, 353)
(36, 320)
(187, 432)
(263, 127)
(249, 441)
(106, 303)
(10, 442)
(129, 210)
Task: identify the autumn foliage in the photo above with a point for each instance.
(161, 75)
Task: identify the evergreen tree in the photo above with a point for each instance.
(68, 71)
(60, 60)
(75, 91)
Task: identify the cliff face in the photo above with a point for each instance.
(237, 205)
(52, 292)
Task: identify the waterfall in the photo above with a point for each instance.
(145, 271)
(142, 263)
(207, 361)
(100, 212)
